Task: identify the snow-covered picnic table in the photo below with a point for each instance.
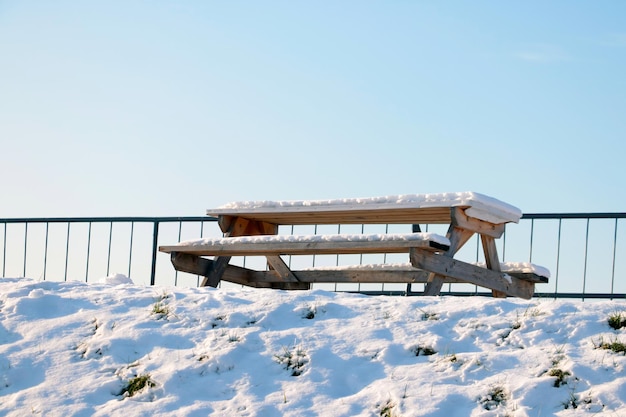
(251, 229)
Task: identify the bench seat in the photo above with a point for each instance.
(268, 245)
(520, 270)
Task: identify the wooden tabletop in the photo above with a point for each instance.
(342, 215)
(399, 209)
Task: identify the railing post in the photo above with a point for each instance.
(67, 250)
(25, 247)
(155, 242)
(4, 252)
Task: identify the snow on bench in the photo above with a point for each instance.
(262, 245)
(520, 267)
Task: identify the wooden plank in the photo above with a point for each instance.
(458, 237)
(189, 263)
(251, 248)
(200, 266)
(491, 259)
(357, 275)
(460, 219)
(444, 265)
(529, 276)
(340, 215)
(290, 285)
(281, 269)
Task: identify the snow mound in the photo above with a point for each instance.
(74, 349)
(116, 279)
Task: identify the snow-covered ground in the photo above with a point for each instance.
(71, 349)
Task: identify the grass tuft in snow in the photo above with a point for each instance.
(452, 358)
(423, 350)
(496, 397)
(571, 402)
(160, 308)
(217, 321)
(615, 346)
(293, 359)
(427, 315)
(514, 326)
(232, 338)
(617, 320)
(574, 401)
(96, 325)
(136, 384)
(560, 375)
(533, 311)
(309, 312)
(386, 409)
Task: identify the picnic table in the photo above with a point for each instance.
(251, 229)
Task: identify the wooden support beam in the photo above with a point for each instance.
(280, 268)
(462, 220)
(261, 228)
(498, 281)
(458, 237)
(491, 259)
(196, 265)
(184, 262)
(233, 226)
(290, 285)
(213, 278)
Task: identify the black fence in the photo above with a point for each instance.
(585, 252)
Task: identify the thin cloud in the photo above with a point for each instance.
(542, 53)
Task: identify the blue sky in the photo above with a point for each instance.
(168, 108)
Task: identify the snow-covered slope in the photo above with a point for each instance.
(70, 349)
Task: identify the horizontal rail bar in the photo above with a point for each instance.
(556, 216)
(108, 219)
(488, 294)
(607, 215)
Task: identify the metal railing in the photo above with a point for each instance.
(49, 249)
(584, 251)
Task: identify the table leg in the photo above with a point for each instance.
(458, 237)
(236, 227)
(491, 258)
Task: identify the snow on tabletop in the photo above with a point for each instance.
(70, 349)
(481, 206)
(442, 240)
